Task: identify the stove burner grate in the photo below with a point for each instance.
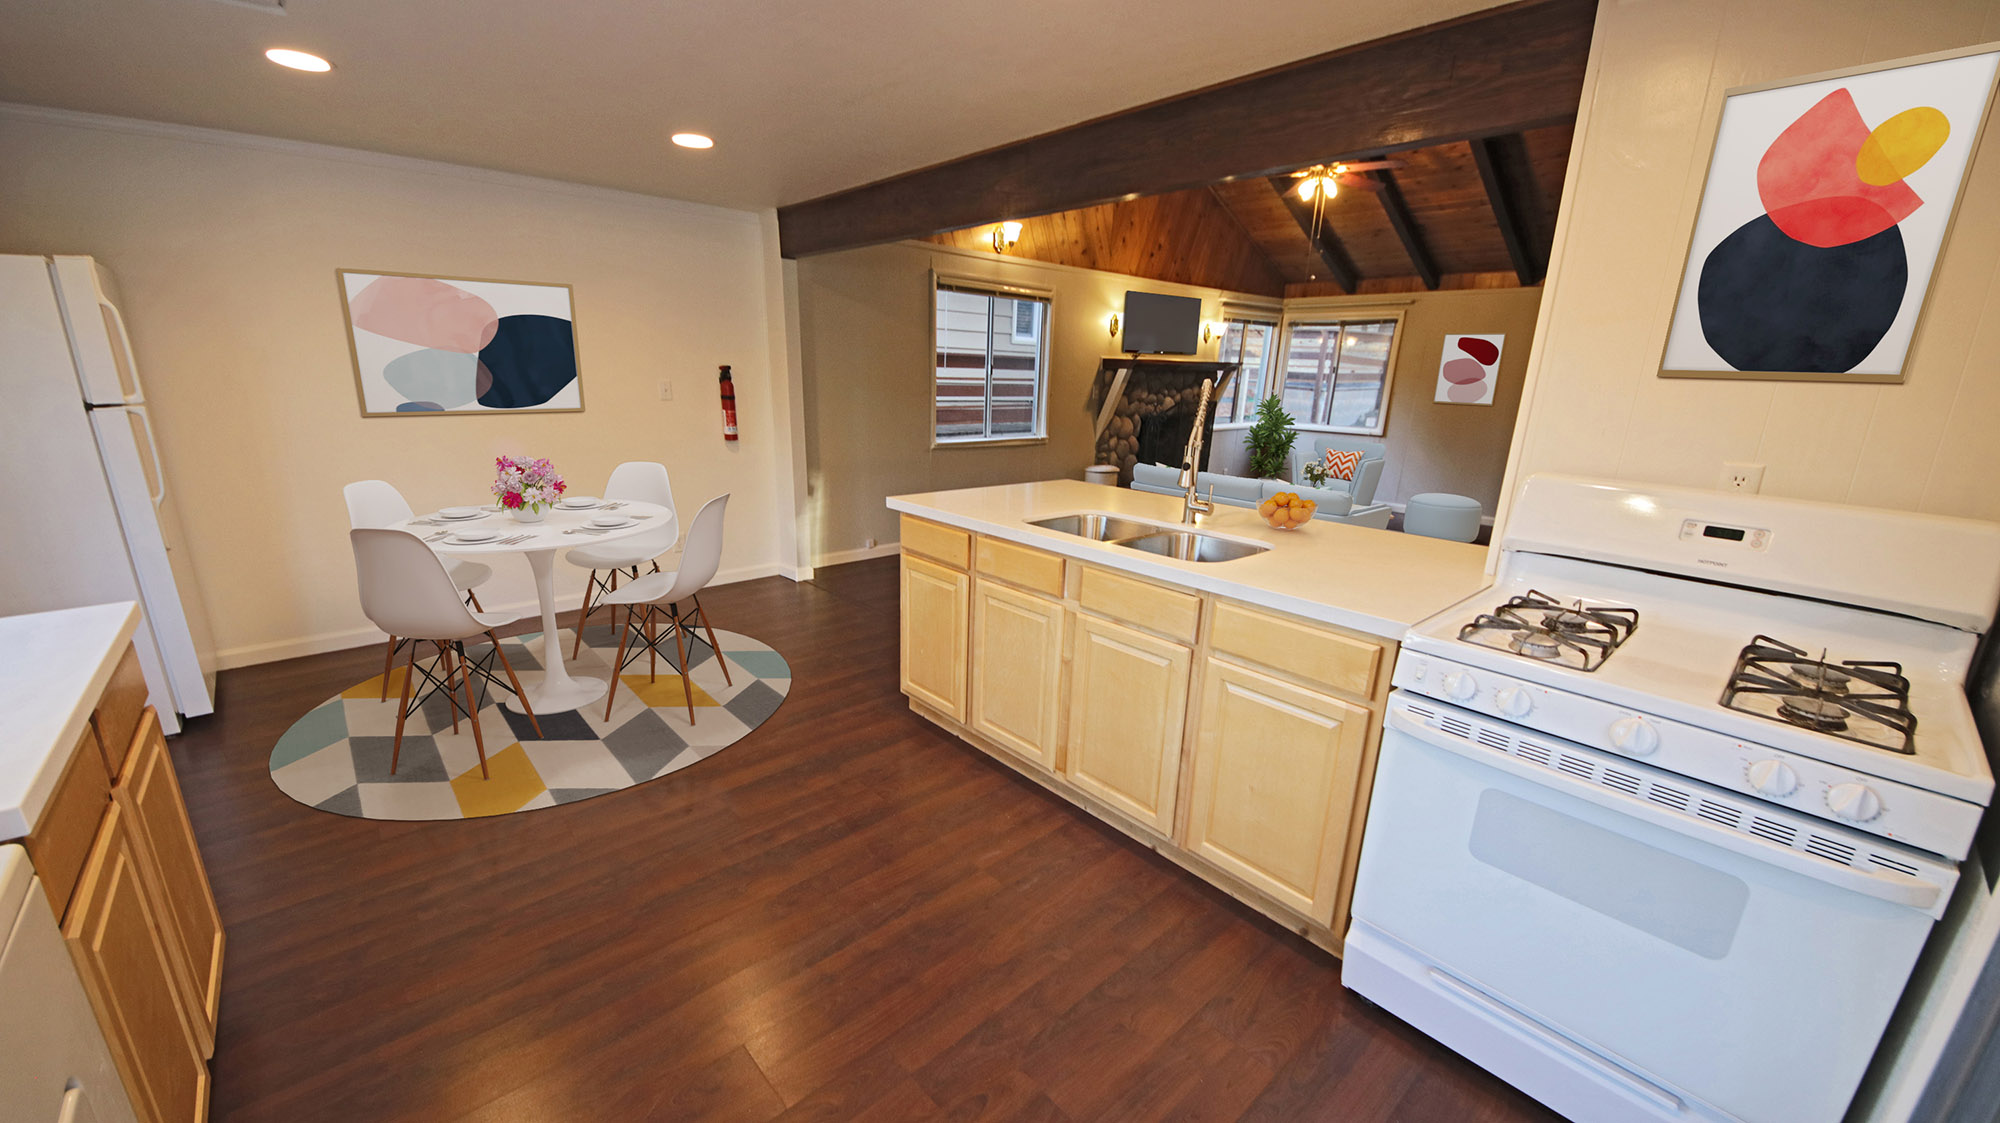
(1538, 626)
(1864, 702)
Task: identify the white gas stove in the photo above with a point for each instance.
(1663, 817)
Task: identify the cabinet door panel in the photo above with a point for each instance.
(1017, 670)
(151, 797)
(935, 610)
(114, 934)
(1275, 774)
(1127, 711)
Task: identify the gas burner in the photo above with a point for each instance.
(1864, 702)
(1538, 626)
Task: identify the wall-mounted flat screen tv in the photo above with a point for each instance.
(1157, 324)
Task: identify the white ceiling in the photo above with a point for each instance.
(803, 97)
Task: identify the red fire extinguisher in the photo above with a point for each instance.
(728, 405)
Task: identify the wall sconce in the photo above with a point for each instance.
(1210, 331)
(1114, 325)
(1005, 235)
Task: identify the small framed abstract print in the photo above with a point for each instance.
(426, 345)
(1828, 201)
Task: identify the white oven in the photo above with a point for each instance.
(1611, 954)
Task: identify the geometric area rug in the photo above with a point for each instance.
(336, 757)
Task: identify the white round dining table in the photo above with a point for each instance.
(554, 690)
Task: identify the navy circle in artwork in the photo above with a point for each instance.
(1770, 302)
(529, 361)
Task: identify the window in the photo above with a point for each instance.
(1337, 372)
(992, 363)
(1247, 342)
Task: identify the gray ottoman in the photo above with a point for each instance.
(1436, 514)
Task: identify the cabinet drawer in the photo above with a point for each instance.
(1166, 611)
(62, 837)
(1312, 653)
(1035, 570)
(117, 716)
(947, 544)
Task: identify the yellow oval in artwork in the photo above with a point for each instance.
(1901, 145)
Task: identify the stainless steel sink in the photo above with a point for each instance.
(1187, 545)
(1097, 527)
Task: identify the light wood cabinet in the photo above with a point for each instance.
(1276, 769)
(118, 939)
(150, 797)
(1128, 705)
(936, 606)
(1017, 665)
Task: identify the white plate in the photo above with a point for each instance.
(473, 537)
(580, 503)
(611, 522)
(458, 512)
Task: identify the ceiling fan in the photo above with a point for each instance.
(1326, 180)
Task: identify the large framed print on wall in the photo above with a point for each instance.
(1828, 201)
(426, 345)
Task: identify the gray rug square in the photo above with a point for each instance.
(419, 761)
(644, 745)
(754, 703)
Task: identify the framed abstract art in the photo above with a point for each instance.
(426, 345)
(1828, 201)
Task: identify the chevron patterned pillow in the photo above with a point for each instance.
(1341, 465)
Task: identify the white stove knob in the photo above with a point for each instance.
(1856, 803)
(1459, 686)
(1773, 777)
(1514, 702)
(1634, 736)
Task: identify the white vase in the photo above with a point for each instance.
(526, 515)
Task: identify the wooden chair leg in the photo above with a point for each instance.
(474, 598)
(583, 617)
(617, 661)
(388, 665)
(716, 648)
(472, 708)
(515, 682)
(687, 688)
(445, 665)
(403, 708)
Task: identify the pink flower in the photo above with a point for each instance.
(511, 499)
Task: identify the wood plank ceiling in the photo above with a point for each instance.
(1463, 226)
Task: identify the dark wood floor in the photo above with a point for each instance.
(847, 915)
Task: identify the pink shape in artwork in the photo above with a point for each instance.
(425, 311)
(1810, 188)
(1462, 371)
(1468, 392)
(1480, 349)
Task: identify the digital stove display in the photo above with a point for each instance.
(1539, 626)
(1863, 702)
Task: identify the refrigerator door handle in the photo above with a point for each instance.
(158, 496)
(138, 393)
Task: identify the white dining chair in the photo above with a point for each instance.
(375, 503)
(655, 599)
(406, 592)
(643, 481)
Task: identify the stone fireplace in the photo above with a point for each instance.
(1145, 410)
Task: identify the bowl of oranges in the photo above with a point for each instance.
(1286, 511)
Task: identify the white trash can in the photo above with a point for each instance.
(1106, 474)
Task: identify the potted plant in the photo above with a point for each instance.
(1271, 439)
(526, 488)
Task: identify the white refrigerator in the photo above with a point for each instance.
(86, 512)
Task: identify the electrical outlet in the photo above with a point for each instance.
(867, 543)
(1739, 476)
(666, 390)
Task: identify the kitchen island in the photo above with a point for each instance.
(1224, 713)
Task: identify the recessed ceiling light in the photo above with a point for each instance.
(298, 60)
(693, 140)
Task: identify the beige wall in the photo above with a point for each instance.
(1658, 72)
(865, 337)
(225, 248)
(1433, 445)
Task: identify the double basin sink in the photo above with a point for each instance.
(1186, 545)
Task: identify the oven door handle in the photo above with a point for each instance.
(1883, 887)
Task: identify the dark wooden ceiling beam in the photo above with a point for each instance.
(1398, 211)
(1324, 241)
(1487, 156)
(1489, 73)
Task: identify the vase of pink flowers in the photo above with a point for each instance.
(526, 488)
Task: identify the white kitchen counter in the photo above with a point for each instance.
(53, 667)
(1371, 581)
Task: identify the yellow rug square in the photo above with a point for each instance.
(512, 784)
(665, 691)
(373, 687)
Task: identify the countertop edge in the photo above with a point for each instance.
(17, 817)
